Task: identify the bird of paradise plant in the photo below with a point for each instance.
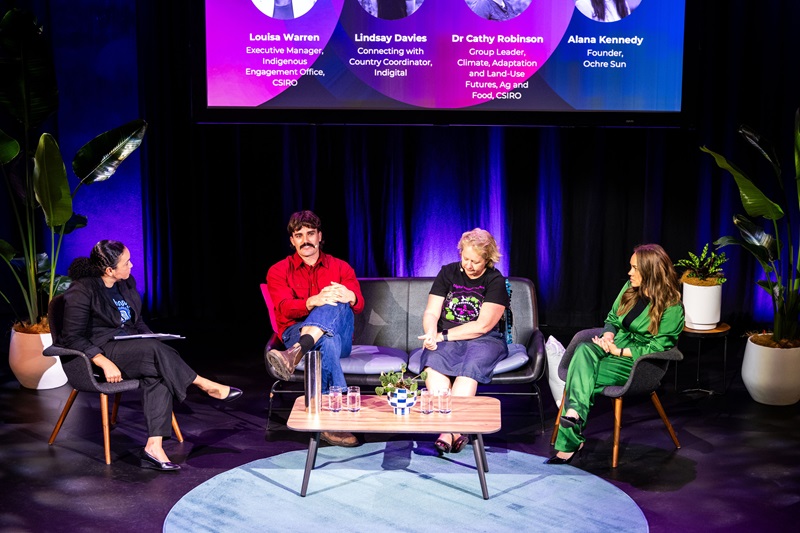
(34, 172)
(777, 252)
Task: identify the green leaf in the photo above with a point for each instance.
(797, 151)
(754, 201)
(7, 251)
(755, 235)
(28, 87)
(98, 159)
(75, 222)
(50, 182)
(9, 148)
(42, 263)
(759, 252)
(764, 146)
(765, 285)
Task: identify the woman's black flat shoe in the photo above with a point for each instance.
(148, 461)
(234, 394)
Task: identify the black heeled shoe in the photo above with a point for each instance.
(442, 446)
(459, 443)
(571, 421)
(556, 460)
(148, 461)
(234, 394)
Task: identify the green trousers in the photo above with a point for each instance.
(590, 370)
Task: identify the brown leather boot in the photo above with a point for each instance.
(284, 362)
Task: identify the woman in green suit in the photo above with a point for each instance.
(646, 317)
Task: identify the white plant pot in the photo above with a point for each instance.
(771, 375)
(32, 369)
(702, 306)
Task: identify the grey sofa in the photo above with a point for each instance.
(386, 337)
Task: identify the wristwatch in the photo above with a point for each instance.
(444, 334)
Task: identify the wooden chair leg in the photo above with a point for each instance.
(617, 428)
(558, 418)
(106, 427)
(64, 412)
(663, 415)
(115, 409)
(176, 428)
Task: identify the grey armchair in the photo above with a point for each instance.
(645, 378)
(83, 377)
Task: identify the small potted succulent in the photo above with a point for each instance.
(400, 390)
(702, 288)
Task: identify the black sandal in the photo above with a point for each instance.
(459, 443)
(441, 446)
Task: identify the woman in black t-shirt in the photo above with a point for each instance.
(462, 341)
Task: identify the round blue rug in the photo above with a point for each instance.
(404, 485)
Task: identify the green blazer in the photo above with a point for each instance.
(637, 339)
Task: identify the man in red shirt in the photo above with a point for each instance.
(315, 296)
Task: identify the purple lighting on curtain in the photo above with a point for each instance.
(471, 194)
(549, 217)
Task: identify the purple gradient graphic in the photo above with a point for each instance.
(234, 25)
(443, 45)
(453, 35)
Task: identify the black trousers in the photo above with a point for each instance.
(164, 377)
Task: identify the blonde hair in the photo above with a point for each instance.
(659, 284)
(483, 243)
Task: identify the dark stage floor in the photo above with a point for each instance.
(738, 468)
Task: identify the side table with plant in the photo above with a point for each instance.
(702, 282)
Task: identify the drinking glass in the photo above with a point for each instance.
(354, 398)
(443, 397)
(425, 401)
(335, 399)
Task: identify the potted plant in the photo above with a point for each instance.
(36, 178)
(771, 365)
(400, 390)
(702, 288)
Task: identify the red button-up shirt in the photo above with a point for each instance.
(291, 282)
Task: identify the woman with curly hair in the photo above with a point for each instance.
(101, 305)
(462, 337)
(646, 317)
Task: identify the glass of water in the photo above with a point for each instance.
(443, 398)
(335, 399)
(425, 401)
(354, 398)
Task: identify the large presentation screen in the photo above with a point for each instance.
(462, 61)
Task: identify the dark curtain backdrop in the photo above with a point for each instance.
(566, 204)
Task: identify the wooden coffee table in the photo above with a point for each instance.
(473, 416)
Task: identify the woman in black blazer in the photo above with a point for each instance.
(101, 303)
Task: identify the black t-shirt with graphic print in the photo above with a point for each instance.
(120, 303)
(463, 296)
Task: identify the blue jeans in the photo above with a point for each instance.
(336, 343)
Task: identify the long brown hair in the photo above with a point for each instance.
(599, 7)
(659, 284)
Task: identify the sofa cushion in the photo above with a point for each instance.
(370, 360)
(517, 356)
